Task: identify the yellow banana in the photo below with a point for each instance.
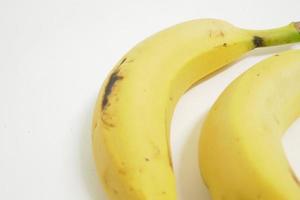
(241, 154)
(135, 105)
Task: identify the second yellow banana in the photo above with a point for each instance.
(241, 155)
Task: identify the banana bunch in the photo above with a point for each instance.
(131, 123)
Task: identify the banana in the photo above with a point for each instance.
(132, 117)
(241, 154)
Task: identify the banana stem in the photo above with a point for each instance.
(277, 36)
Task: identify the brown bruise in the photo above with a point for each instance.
(258, 41)
(105, 121)
(113, 79)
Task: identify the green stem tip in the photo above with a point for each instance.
(277, 36)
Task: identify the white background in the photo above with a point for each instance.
(54, 56)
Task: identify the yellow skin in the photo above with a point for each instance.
(135, 105)
(241, 154)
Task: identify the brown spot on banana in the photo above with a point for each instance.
(171, 163)
(122, 172)
(222, 34)
(258, 41)
(106, 122)
(113, 79)
(116, 191)
(216, 33)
